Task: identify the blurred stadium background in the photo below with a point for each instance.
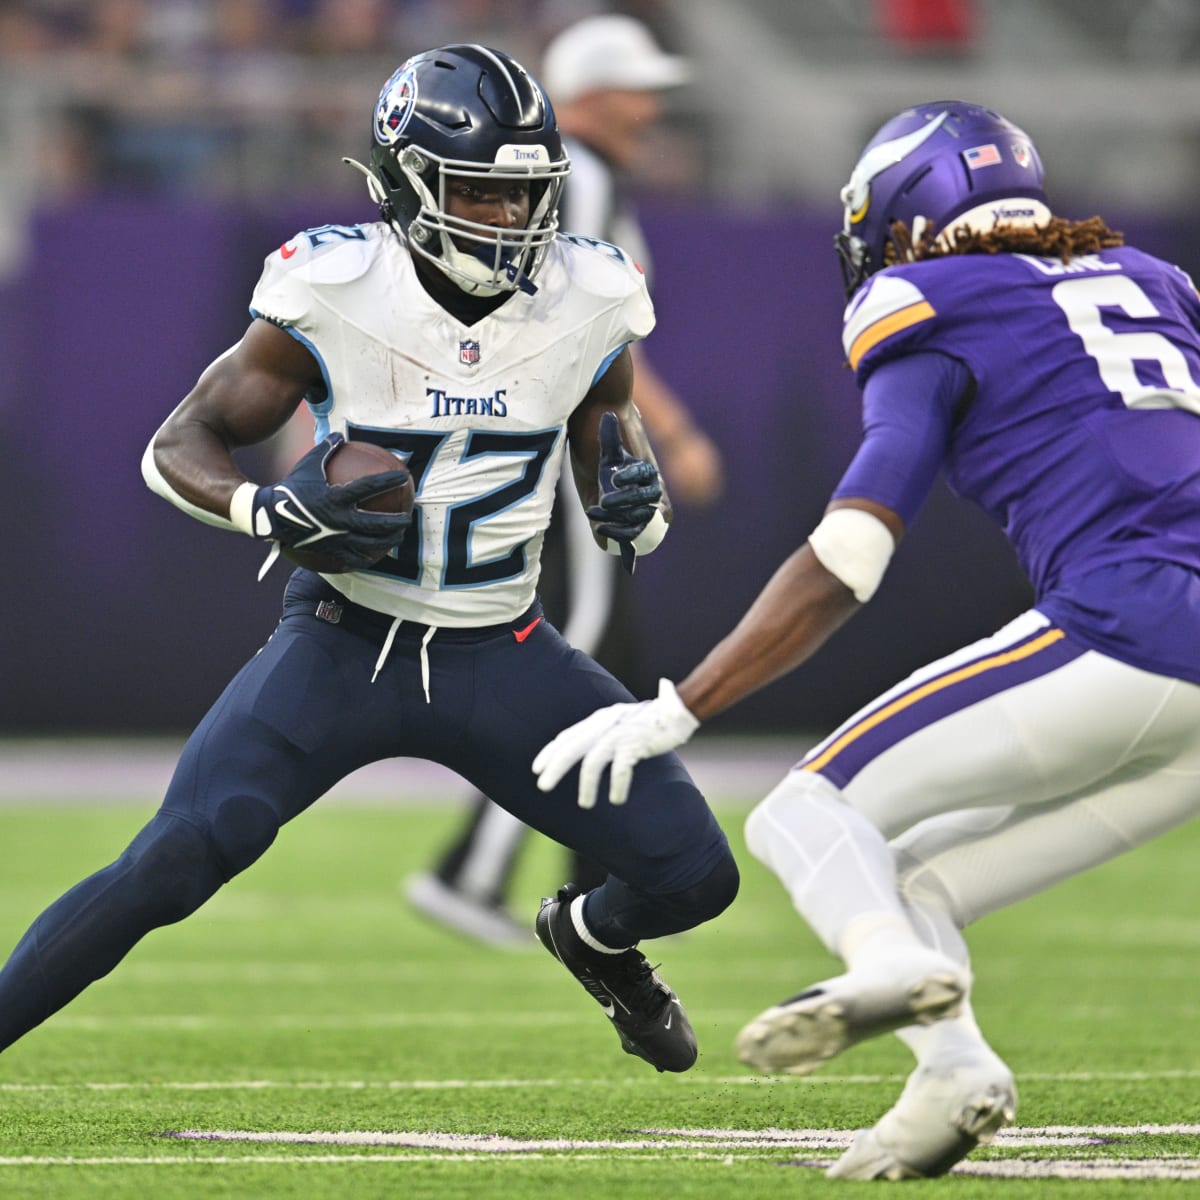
(152, 152)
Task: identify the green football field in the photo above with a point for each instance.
(305, 1035)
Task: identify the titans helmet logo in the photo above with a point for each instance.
(395, 105)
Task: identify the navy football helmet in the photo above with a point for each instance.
(467, 112)
(937, 167)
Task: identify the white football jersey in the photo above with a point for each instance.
(476, 412)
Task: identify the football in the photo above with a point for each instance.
(350, 461)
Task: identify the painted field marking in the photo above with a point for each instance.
(418, 1085)
(664, 1139)
(725, 1146)
(1082, 1168)
(291, 1160)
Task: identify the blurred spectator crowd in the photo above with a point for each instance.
(253, 100)
(225, 97)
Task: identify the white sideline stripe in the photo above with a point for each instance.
(233, 1085)
(659, 1139)
(1083, 1168)
(392, 1160)
(387, 1020)
(494, 1143)
(236, 1021)
(683, 1144)
(1091, 1168)
(1003, 1135)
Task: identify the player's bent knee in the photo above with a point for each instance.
(783, 807)
(704, 900)
(175, 864)
(921, 885)
(721, 886)
(170, 869)
(242, 830)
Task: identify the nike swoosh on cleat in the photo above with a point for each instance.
(669, 1020)
(599, 993)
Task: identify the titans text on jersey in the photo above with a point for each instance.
(477, 413)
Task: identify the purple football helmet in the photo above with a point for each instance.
(935, 167)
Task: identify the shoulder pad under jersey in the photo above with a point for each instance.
(607, 272)
(889, 315)
(326, 254)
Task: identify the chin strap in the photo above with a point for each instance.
(373, 184)
(514, 273)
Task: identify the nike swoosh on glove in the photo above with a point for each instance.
(619, 736)
(304, 509)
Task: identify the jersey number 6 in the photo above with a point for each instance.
(1116, 354)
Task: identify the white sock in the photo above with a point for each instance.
(953, 1038)
(585, 933)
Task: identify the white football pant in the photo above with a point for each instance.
(982, 779)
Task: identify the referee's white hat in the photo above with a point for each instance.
(608, 51)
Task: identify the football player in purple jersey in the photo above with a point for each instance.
(1053, 375)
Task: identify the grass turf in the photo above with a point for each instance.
(306, 997)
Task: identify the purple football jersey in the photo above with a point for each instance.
(1082, 436)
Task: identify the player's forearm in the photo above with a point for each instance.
(196, 473)
(797, 611)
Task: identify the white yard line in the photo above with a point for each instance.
(691, 1080)
(724, 1146)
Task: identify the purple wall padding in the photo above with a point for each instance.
(120, 614)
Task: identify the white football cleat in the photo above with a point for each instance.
(806, 1031)
(944, 1112)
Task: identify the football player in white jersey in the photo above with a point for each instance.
(463, 335)
(606, 75)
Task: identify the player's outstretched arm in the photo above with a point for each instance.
(801, 606)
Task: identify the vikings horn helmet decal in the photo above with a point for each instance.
(937, 167)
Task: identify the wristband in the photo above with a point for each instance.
(649, 539)
(241, 508)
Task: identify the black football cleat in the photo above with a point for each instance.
(647, 1014)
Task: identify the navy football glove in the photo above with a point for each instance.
(630, 489)
(304, 510)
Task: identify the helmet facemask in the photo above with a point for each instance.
(482, 259)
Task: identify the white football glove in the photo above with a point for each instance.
(620, 735)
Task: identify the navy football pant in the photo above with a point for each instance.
(303, 713)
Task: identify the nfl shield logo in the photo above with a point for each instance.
(468, 353)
